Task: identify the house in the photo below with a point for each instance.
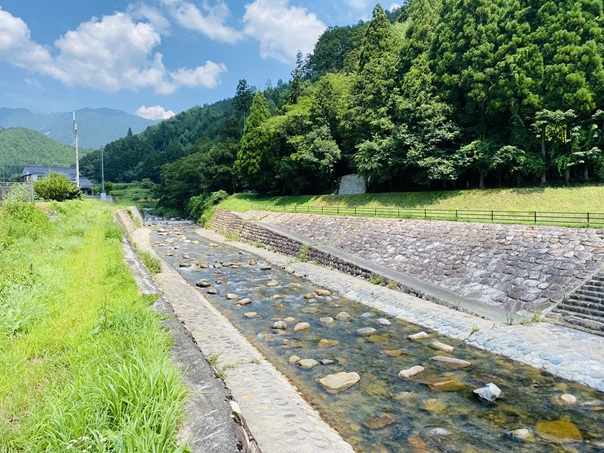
(32, 173)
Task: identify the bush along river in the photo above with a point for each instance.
(384, 384)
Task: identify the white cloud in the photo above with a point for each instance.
(34, 83)
(209, 20)
(153, 15)
(155, 112)
(394, 6)
(281, 29)
(207, 76)
(110, 54)
(17, 48)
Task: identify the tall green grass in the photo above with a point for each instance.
(84, 361)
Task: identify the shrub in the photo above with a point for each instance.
(199, 206)
(57, 187)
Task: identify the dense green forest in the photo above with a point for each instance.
(20, 146)
(437, 94)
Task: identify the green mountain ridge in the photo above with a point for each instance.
(96, 127)
(20, 146)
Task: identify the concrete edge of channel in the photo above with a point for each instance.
(213, 421)
(141, 238)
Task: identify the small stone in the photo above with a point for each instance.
(293, 360)
(327, 362)
(294, 285)
(446, 384)
(309, 296)
(273, 284)
(266, 268)
(410, 372)
(250, 314)
(233, 296)
(439, 432)
(322, 292)
(310, 310)
(280, 325)
(253, 262)
(290, 320)
(418, 336)
(343, 316)
(184, 265)
(301, 326)
(186, 257)
(325, 343)
(392, 352)
(326, 321)
(441, 346)
(213, 245)
(450, 362)
(212, 291)
(338, 382)
(377, 339)
(379, 421)
(522, 434)
(277, 297)
(418, 445)
(217, 266)
(384, 322)
(367, 315)
(204, 265)
(366, 331)
(435, 406)
(245, 301)
(488, 393)
(567, 399)
(203, 284)
(307, 364)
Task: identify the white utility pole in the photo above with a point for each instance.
(75, 133)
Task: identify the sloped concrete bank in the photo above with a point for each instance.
(521, 269)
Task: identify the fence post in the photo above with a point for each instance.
(337, 209)
(456, 215)
(535, 217)
(492, 217)
(588, 218)
(355, 210)
(425, 213)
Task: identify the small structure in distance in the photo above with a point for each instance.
(32, 173)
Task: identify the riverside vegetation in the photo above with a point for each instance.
(84, 361)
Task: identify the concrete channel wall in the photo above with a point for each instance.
(521, 269)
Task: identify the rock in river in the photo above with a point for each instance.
(418, 336)
(307, 364)
(233, 296)
(327, 321)
(379, 421)
(366, 331)
(562, 430)
(410, 372)
(322, 292)
(339, 382)
(441, 346)
(325, 343)
(301, 326)
(446, 384)
(343, 316)
(449, 362)
(488, 393)
(280, 325)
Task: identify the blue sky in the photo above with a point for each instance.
(154, 58)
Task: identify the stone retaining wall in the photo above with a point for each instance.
(523, 269)
(124, 219)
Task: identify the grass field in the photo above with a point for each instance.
(587, 199)
(133, 194)
(84, 361)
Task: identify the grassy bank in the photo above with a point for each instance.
(544, 200)
(84, 361)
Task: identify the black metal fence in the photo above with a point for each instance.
(583, 219)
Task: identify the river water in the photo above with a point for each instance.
(435, 410)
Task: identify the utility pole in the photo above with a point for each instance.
(103, 194)
(75, 133)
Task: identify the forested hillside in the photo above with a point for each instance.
(438, 94)
(20, 147)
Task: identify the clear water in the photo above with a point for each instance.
(529, 396)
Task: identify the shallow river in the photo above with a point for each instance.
(435, 410)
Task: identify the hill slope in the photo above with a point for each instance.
(96, 127)
(20, 146)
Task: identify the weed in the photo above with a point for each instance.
(151, 262)
(303, 253)
(375, 280)
(509, 318)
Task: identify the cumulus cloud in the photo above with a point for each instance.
(153, 15)
(282, 29)
(108, 54)
(155, 112)
(209, 20)
(17, 48)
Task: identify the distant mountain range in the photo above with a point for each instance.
(96, 127)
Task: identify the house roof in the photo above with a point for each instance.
(41, 170)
